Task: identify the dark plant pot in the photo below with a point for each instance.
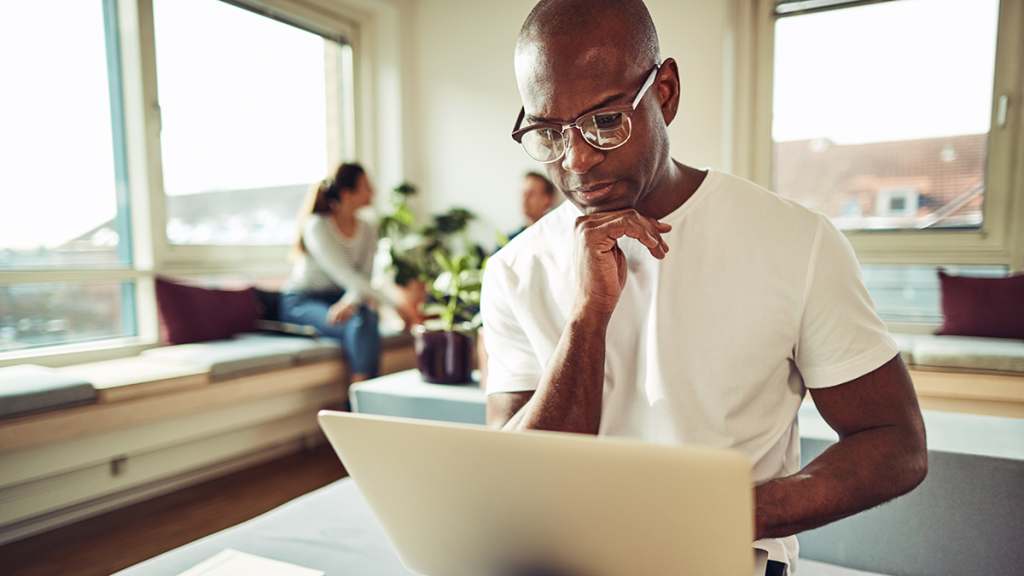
(443, 357)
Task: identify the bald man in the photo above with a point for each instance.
(679, 305)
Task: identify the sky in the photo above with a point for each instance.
(243, 97)
(261, 122)
(856, 75)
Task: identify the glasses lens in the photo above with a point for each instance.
(544, 145)
(606, 131)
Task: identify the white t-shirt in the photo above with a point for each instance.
(757, 299)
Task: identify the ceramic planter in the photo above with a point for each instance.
(444, 357)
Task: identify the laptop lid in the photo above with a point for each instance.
(464, 500)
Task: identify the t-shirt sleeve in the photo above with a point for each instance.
(512, 363)
(841, 335)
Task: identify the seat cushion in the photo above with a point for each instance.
(27, 389)
(225, 358)
(968, 353)
(304, 349)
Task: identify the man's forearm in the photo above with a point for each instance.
(569, 397)
(859, 472)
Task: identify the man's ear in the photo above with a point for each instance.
(667, 87)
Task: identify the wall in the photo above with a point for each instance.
(462, 100)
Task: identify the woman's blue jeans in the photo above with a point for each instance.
(360, 336)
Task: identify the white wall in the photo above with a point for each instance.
(463, 100)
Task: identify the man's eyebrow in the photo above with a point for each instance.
(601, 104)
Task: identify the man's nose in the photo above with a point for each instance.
(579, 157)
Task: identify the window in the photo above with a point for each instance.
(233, 108)
(899, 119)
(910, 294)
(63, 187)
(244, 121)
(62, 183)
(871, 98)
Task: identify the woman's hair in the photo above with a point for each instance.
(322, 195)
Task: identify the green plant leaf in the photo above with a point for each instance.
(434, 308)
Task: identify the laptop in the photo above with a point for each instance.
(464, 500)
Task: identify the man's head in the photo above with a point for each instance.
(538, 196)
(577, 56)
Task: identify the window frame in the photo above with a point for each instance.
(1000, 239)
(199, 259)
(151, 252)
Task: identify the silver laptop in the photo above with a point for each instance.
(463, 500)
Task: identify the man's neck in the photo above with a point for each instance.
(676, 187)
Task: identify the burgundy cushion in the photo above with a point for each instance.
(190, 314)
(985, 307)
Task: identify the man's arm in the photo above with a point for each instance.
(880, 455)
(569, 396)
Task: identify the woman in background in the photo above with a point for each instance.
(329, 287)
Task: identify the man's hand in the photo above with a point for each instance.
(570, 395)
(600, 264)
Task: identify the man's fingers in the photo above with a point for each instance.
(610, 226)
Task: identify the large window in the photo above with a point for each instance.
(882, 112)
(899, 119)
(245, 121)
(63, 188)
(130, 128)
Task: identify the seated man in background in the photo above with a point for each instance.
(683, 306)
(538, 198)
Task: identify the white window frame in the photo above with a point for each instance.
(372, 134)
(999, 241)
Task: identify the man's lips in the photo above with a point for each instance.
(594, 193)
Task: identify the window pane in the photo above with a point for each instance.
(58, 185)
(912, 293)
(245, 121)
(34, 315)
(882, 112)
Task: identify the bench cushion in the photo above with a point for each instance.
(969, 353)
(304, 349)
(225, 358)
(27, 389)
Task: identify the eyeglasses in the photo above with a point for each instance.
(604, 129)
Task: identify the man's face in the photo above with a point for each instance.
(536, 199)
(562, 79)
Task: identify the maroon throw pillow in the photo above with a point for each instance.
(190, 314)
(986, 307)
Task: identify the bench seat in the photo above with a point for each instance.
(982, 376)
(169, 418)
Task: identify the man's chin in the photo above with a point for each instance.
(610, 206)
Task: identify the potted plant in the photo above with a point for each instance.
(409, 245)
(444, 345)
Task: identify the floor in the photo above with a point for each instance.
(105, 544)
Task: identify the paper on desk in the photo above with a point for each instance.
(230, 562)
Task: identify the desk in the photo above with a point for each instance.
(406, 394)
